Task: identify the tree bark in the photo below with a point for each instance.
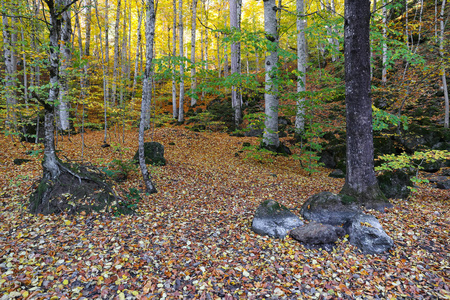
(444, 77)
(116, 54)
(9, 44)
(193, 29)
(147, 92)
(301, 68)
(138, 54)
(180, 33)
(270, 136)
(174, 54)
(66, 32)
(384, 54)
(360, 181)
(236, 97)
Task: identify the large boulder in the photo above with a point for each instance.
(153, 153)
(328, 208)
(367, 234)
(394, 184)
(444, 184)
(274, 219)
(317, 235)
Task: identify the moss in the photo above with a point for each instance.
(346, 199)
(273, 205)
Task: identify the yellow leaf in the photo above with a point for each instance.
(66, 282)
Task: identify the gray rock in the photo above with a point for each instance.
(395, 184)
(274, 219)
(328, 208)
(154, 154)
(367, 234)
(444, 185)
(315, 233)
(337, 174)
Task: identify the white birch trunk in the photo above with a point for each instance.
(147, 92)
(301, 67)
(444, 78)
(174, 54)
(385, 49)
(180, 33)
(104, 76)
(138, 54)
(11, 70)
(270, 136)
(235, 61)
(116, 54)
(63, 107)
(193, 29)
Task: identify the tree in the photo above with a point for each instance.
(66, 33)
(270, 136)
(193, 31)
(360, 181)
(301, 67)
(9, 44)
(444, 77)
(236, 96)
(174, 54)
(147, 91)
(58, 178)
(180, 33)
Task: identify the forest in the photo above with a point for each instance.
(224, 149)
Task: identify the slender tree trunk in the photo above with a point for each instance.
(9, 39)
(116, 54)
(25, 66)
(193, 76)
(174, 54)
(107, 73)
(444, 78)
(50, 164)
(63, 106)
(88, 28)
(147, 92)
(236, 97)
(138, 53)
(384, 54)
(301, 67)
(270, 136)
(360, 181)
(105, 119)
(180, 33)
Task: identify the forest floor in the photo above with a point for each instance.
(193, 239)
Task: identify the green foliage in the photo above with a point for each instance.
(414, 161)
(382, 120)
(205, 121)
(257, 153)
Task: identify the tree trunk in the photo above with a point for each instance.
(66, 32)
(174, 54)
(116, 54)
(107, 78)
(105, 123)
(360, 182)
(138, 54)
(180, 33)
(88, 28)
(193, 28)
(444, 77)
(147, 92)
(9, 44)
(270, 136)
(301, 68)
(236, 97)
(384, 55)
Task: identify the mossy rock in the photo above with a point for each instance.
(153, 153)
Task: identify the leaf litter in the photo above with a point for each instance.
(192, 240)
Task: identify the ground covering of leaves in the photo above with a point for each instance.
(193, 240)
